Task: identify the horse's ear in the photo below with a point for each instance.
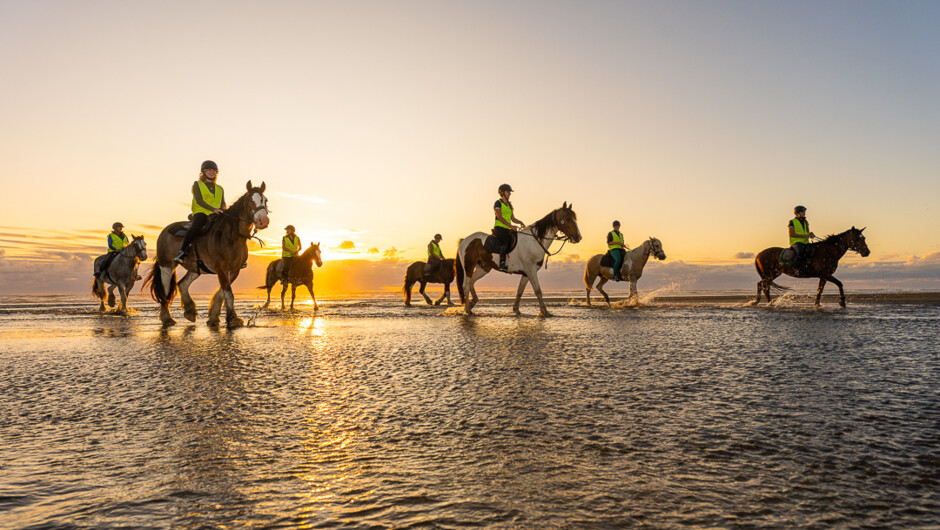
(248, 185)
(862, 230)
(571, 206)
(564, 205)
(318, 243)
(262, 186)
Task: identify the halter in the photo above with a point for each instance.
(250, 219)
(564, 239)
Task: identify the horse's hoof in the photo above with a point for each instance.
(316, 308)
(168, 323)
(233, 323)
(544, 314)
(842, 304)
(213, 323)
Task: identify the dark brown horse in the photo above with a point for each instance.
(825, 256)
(222, 251)
(415, 274)
(300, 273)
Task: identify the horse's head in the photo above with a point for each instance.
(656, 248)
(139, 246)
(567, 221)
(857, 242)
(315, 250)
(259, 206)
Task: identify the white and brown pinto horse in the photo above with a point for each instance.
(474, 261)
(632, 268)
(222, 251)
(121, 273)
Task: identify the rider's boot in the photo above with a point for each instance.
(502, 263)
(181, 256)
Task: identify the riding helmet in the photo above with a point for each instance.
(438, 236)
(505, 187)
(117, 225)
(208, 164)
(799, 209)
(289, 227)
(616, 223)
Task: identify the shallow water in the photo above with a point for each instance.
(366, 414)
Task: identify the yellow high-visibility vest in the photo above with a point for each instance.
(290, 246)
(506, 210)
(801, 228)
(435, 251)
(212, 199)
(615, 237)
(116, 241)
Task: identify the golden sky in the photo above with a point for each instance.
(377, 124)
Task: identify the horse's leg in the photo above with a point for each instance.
(588, 281)
(600, 288)
(283, 292)
(123, 290)
(445, 293)
(819, 291)
(760, 285)
(832, 279)
(166, 276)
(267, 285)
(231, 317)
(522, 283)
(310, 288)
(424, 294)
(407, 289)
(633, 294)
(186, 299)
(532, 276)
(111, 295)
(100, 285)
(215, 308)
(293, 295)
(471, 293)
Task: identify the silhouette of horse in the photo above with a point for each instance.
(415, 274)
(121, 272)
(222, 250)
(474, 261)
(300, 273)
(825, 256)
(631, 270)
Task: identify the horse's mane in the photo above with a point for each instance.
(543, 225)
(308, 254)
(833, 238)
(228, 215)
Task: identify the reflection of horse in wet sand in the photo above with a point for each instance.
(222, 250)
(415, 274)
(121, 272)
(301, 273)
(474, 261)
(632, 268)
(822, 263)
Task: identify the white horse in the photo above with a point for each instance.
(120, 273)
(474, 261)
(632, 268)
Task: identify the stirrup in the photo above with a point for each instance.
(503, 267)
(180, 257)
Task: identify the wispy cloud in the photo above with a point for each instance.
(345, 245)
(744, 255)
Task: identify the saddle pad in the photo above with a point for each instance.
(180, 228)
(492, 244)
(607, 260)
(787, 256)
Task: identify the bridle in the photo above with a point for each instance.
(563, 238)
(251, 217)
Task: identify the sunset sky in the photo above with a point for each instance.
(377, 124)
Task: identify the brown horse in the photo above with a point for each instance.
(825, 256)
(415, 273)
(300, 273)
(222, 250)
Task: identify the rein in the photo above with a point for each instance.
(251, 221)
(564, 239)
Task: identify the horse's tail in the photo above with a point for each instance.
(97, 293)
(588, 280)
(459, 266)
(157, 291)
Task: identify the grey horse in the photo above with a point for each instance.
(120, 273)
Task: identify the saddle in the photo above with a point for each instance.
(180, 228)
(493, 245)
(788, 256)
(607, 260)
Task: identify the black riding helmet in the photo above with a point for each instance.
(208, 164)
(799, 209)
(117, 225)
(505, 187)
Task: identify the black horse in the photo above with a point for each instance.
(822, 263)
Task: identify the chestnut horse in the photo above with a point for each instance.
(825, 256)
(632, 268)
(474, 261)
(300, 273)
(222, 250)
(121, 273)
(415, 273)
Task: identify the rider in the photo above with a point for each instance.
(504, 223)
(435, 257)
(799, 232)
(116, 242)
(208, 199)
(617, 249)
(290, 249)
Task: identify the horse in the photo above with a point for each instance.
(631, 270)
(824, 258)
(300, 273)
(120, 273)
(474, 261)
(222, 250)
(415, 273)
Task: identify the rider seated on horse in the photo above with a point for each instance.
(290, 249)
(117, 240)
(617, 249)
(435, 256)
(799, 232)
(503, 226)
(208, 199)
